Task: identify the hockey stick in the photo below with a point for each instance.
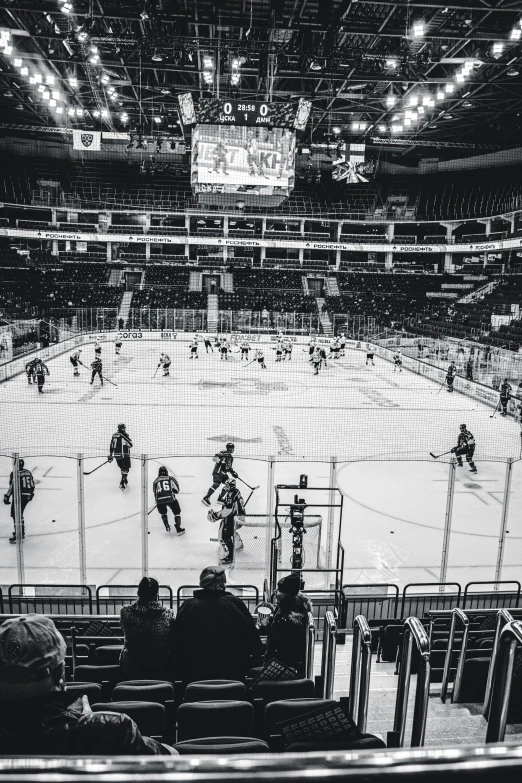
(106, 379)
(249, 363)
(152, 509)
(88, 473)
(497, 406)
(436, 456)
(441, 386)
(247, 485)
(157, 368)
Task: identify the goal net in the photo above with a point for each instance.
(251, 543)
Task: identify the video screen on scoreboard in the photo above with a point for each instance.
(237, 155)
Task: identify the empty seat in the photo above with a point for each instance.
(211, 690)
(87, 673)
(275, 690)
(148, 716)
(158, 691)
(93, 690)
(209, 746)
(213, 718)
(108, 654)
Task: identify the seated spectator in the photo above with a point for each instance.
(216, 637)
(148, 627)
(38, 716)
(287, 630)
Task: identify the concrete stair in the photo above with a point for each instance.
(195, 281)
(304, 281)
(115, 277)
(125, 304)
(332, 286)
(324, 317)
(227, 282)
(212, 313)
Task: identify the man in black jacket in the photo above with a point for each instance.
(216, 637)
(38, 716)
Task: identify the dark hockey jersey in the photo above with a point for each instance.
(224, 460)
(165, 489)
(26, 484)
(121, 445)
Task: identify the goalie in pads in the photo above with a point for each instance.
(233, 511)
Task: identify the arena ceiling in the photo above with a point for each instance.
(445, 72)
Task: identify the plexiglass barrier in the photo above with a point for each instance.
(401, 522)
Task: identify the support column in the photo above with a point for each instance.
(144, 518)
(301, 255)
(263, 227)
(146, 225)
(331, 514)
(81, 521)
(337, 259)
(504, 521)
(54, 247)
(17, 499)
(390, 232)
(339, 231)
(388, 260)
(225, 254)
(269, 517)
(147, 251)
(225, 226)
(302, 227)
(448, 262)
(447, 522)
(53, 216)
(263, 255)
(109, 252)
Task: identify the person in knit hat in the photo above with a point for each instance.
(286, 638)
(38, 716)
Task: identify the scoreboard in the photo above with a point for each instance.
(232, 111)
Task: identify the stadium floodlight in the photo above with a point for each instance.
(79, 112)
(73, 82)
(71, 112)
(418, 29)
(382, 128)
(49, 79)
(157, 120)
(46, 95)
(336, 130)
(38, 78)
(449, 88)
(397, 128)
(414, 100)
(363, 126)
(407, 122)
(18, 62)
(421, 110)
(82, 36)
(391, 100)
(52, 102)
(355, 126)
(516, 34)
(104, 113)
(8, 50)
(41, 88)
(59, 110)
(24, 70)
(105, 78)
(440, 94)
(56, 95)
(460, 77)
(497, 48)
(391, 63)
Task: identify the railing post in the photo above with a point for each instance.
(503, 523)
(447, 659)
(331, 513)
(17, 505)
(447, 523)
(501, 686)
(269, 520)
(503, 617)
(403, 689)
(81, 521)
(144, 518)
(355, 670)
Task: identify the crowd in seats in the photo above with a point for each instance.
(267, 289)
(203, 696)
(169, 297)
(167, 275)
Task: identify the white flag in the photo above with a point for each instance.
(87, 140)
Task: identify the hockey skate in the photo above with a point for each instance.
(122, 485)
(180, 531)
(226, 560)
(206, 501)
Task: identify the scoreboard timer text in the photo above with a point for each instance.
(235, 112)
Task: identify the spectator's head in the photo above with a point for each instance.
(289, 586)
(148, 589)
(32, 658)
(213, 578)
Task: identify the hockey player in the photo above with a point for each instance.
(217, 343)
(287, 346)
(120, 448)
(370, 355)
(279, 351)
(224, 460)
(208, 344)
(165, 363)
(322, 354)
(224, 349)
(233, 509)
(311, 347)
(245, 348)
(29, 367)
(26, 495)
(342, 341)
(97, 350)
(397, 361)
(96, 368)
(465, 447)
(75, 360)
(117, 346)
(194, 348)
(505, 396)
(335, 348)
(165, 490)
(450, 375)
(260, 356)
(469, 369)
(40, 372)
(316, 360)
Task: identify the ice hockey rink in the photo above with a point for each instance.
(379, 425)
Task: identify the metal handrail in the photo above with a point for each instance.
(456, 614)
(414, 631)
(310, 647)
(510, 637)
(360, 671)
(503, 618)
(328, 659)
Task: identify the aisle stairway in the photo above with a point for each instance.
(227, 282)
(125, 304)
(195, 281)
(324, 318)
(212, 313)
(332, 287)
(115, 276)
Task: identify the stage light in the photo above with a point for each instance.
(391, 100)
(516, 33)
(59, 110)
(52, 102)
(391, 63)
(49, 79)
(79, 112)
(94, 59)
(336, 130)
(82, 36)
(73, 82)
(497, 48)
(449, 88)
(18, 62)
(24, 70)
(156, 57)
(71, 112)
(96, 113)
(104, 114)
(38, 78)
(104, 78)
(382, 128)
(418, 29)
(157, 120)
(46, 95)
(440, 94)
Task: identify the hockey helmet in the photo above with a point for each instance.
(21, 464)
(163, 471)
(230, 447)
(121, 427)
(231, 483)
(462, 427)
